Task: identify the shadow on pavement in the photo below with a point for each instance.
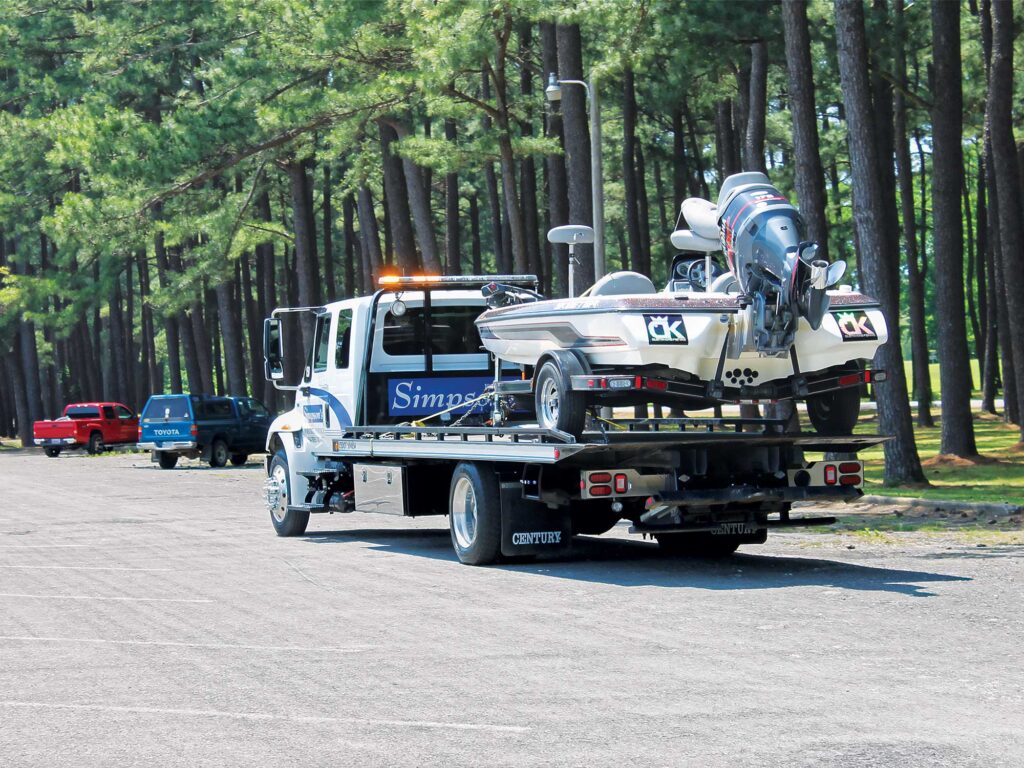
(638, 563)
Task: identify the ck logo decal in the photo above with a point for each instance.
(666, 329)
(855, 326)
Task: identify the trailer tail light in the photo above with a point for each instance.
(600, 477)
(621, 483)
(850, 379)
(657, 385)
(601, 490)
(849, 480)
(850, 466)
(831, 475)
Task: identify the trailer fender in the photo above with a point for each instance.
(570, 362)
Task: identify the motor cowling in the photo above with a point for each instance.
(762, 236)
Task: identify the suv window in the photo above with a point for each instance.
(452, 331)
(175, 408)
(321, 343)
(344, 344)
(108, 412)
(216, 409)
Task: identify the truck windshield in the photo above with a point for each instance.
(82, 412)
(167, 409)
(452, 331)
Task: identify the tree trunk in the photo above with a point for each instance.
(1004, 154)
(577, 145)
(474, 233)
(809, 176)
(119, 385)
(986, 291)
(502, 257)
(528, 166)
(947, 182)
(915, 282)
(397, 200)
(757, 105)
(419, 206)
(636, 256)
(16, 381)
(253, 326)
(353, 276)
(330, 292)
(644, 211)
(700, 181)
(231, 333)
(307, 275)
(680, 167)
(726, 146)
(172, 322)
(452, 240)
(880, 265)
(370, 237)
(554, 165)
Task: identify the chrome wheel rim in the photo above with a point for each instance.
(279, 510)
(464, 513)
(549, 402)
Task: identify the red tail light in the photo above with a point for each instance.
(657, 384)
(849, 380)
(621, 483)
(600, 477)
(194, 431)
(601, 490)
(830, 474)
(850, 466)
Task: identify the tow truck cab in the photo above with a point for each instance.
(391, 415)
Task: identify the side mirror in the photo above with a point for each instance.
(571, 234)
(273, 350)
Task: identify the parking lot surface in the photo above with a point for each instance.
(152, 617)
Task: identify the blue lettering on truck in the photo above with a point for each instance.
(420, 397)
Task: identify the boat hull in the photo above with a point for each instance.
(680, 332)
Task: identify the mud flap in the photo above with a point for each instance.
(529, 527)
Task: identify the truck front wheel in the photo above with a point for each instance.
(287, 522)
(474, 514)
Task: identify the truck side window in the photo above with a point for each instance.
(341, 350)
(322, 343)
(108, 412)
(124, 413)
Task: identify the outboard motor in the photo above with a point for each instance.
(762, 235)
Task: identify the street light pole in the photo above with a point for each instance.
(554, 93)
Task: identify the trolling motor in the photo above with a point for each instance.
(762, 235)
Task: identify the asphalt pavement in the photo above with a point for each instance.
(152, 618)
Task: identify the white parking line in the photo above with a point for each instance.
(94, 597)
(83, 568)
(38, 546)
(265, 716)
(171, 644)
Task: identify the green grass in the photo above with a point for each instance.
(1001, 480)
(933, 370)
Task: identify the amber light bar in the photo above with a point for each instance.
(388, 282)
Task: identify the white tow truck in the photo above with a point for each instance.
(400, 411)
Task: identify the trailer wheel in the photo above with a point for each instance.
(287, 522)
(218, 453)
(834, 413)
(697, 544)
(558, 407)
(53, 453)
(167, 460)
(474, 514)
(239, 459)
(95, 443)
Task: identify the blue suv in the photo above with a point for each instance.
(216, 429)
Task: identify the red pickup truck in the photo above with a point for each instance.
(93, 426)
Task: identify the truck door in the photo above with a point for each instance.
(254, 420)
(128, 424)
(326, 395)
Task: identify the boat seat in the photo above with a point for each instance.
(622, 283)
(702, 216)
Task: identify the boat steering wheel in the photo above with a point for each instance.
(696, 274)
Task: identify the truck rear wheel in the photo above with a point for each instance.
(95, 443)
(167, 460)
(697, 544)
(218, 453)
(474, 514)
(287, 522)
(53, 453)
(558, 406)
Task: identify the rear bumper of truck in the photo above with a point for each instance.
(59, 441)
(168, 445)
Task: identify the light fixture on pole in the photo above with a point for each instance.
(553, 93)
